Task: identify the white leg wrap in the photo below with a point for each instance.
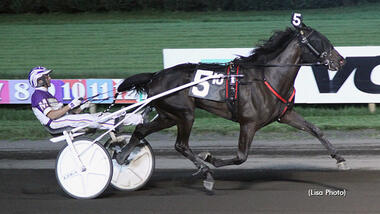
(343, 166)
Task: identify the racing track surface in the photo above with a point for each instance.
(176, 191)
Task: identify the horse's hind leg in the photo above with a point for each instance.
(247, 132)
(294, 119)
(184, 125)
(141, 131)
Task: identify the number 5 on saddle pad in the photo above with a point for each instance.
(220, 90)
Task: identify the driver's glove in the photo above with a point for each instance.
(75, 103)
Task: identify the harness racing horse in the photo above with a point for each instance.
(266, 94)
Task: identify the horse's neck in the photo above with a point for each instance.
(283, 78)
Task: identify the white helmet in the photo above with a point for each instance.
(36, 74)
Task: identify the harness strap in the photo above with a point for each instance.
(232, 89)
(236, 84)
(283, 100)
(250, 64)
(228, 73)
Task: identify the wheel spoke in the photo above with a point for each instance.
(138, 176)
(98, 174)
(120, 168)
(138, 157)
(84, 183)
(92, 157)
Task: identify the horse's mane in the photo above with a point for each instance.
(269, 49)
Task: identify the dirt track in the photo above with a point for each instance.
(176, 191)
(285, 173)
(355, 142)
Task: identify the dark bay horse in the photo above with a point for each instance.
(265, 95)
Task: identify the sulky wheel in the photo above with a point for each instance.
(88, 176)
(137, 171)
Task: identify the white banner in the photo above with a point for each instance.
(357, 82)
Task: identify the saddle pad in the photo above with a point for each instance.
(211, 90)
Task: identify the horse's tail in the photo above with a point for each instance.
(136, 82)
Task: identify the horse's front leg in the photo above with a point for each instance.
(247, 132)
(297, 121)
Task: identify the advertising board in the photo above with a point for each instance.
(65, 90)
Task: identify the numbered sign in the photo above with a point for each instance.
(127, 97)
(97, 90)
(73, 88)
(297, 20)
(4, 91)
(20, 91)
(100, 90)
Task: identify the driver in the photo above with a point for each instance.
(55, 116)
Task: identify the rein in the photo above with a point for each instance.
(111, 105)
(281, 65)
(102, 100)
(96, 95)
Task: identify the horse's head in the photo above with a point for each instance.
(316, 48)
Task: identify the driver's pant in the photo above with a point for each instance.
(76, 120)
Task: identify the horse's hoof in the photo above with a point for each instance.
(343, 166)
(120, 160)
(208, 183)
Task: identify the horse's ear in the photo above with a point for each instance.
(296, 21)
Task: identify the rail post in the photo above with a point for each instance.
(372, 107)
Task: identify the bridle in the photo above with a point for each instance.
(323, 57)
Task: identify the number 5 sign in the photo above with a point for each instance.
(297, 20)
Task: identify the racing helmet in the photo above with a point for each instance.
(36, 74)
